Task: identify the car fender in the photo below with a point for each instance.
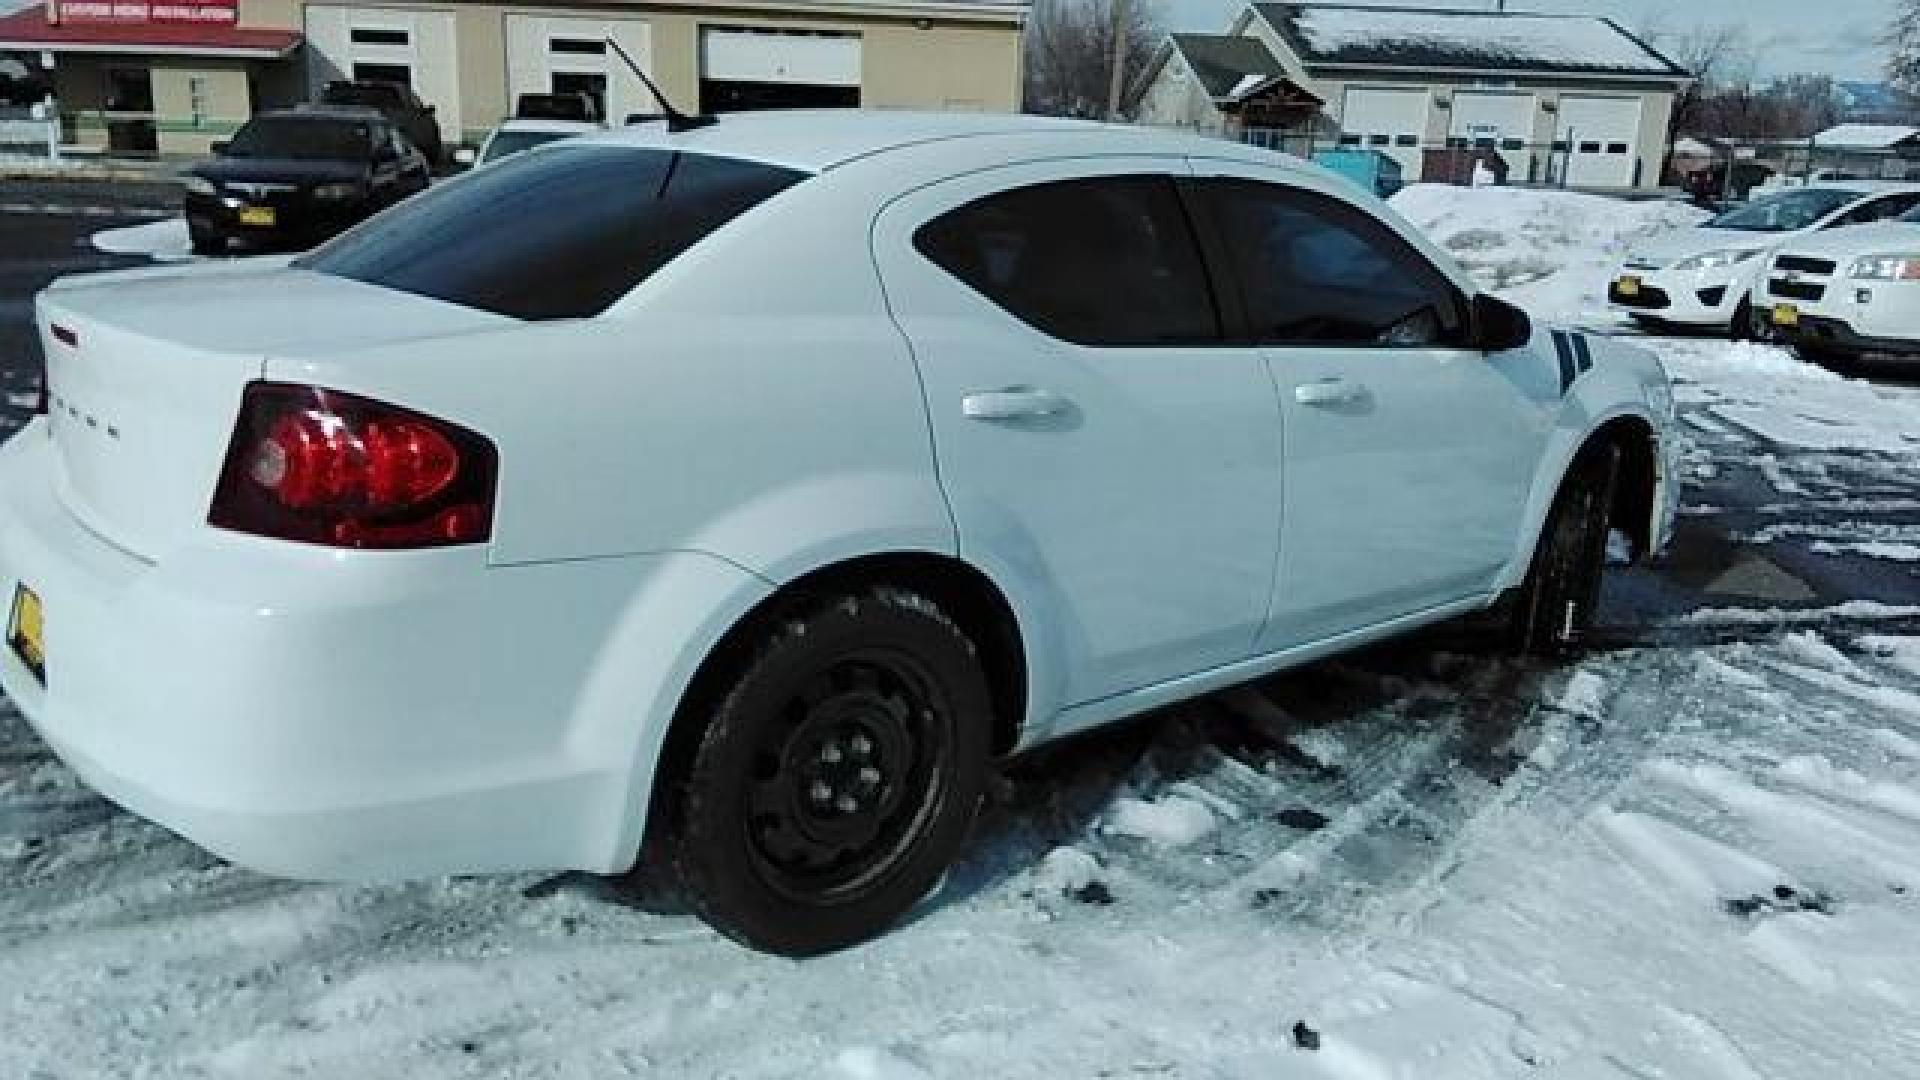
(1610, 388)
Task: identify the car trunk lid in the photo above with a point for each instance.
(146, 372)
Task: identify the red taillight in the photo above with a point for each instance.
(324, 467)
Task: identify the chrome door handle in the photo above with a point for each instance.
(1013, 403)
(1329, 393)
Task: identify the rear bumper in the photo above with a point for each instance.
(319, 714)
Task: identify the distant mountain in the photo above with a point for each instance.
(1863, 102)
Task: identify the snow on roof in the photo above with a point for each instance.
(1865, 136)
(1428, 38)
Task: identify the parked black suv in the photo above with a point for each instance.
(398, 104)
(289, 180)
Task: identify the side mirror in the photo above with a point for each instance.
(1499, 326)
(218, 149)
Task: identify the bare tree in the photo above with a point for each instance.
(1715, 54)
(1903, 42)
(1071, 49)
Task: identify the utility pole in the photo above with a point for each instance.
(1117, 86)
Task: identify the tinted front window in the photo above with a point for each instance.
(556, 234)
(1788, 211)
(1317, 270)
(1101, 261)
(303, 139)
(509, 143)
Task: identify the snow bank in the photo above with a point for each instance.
(1550, 251)
(162, 241)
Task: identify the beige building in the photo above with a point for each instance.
(1558, 99)
(190, 73)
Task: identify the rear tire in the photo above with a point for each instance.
(837, 776)
(1555, 608)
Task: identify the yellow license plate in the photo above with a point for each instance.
(26, 631)
(1629, 286)
(258, 215)
(1786, 315)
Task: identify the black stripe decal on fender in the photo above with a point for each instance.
(1565, 350)
(1582, 354)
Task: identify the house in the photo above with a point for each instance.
(189, 72)
(1867, 151)
(1226, 84)
(1561, 98)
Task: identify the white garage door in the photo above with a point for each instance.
(547, 55)
(1601, 137)
(1393, 121)
(1499, 121)
(779, 56)
(390, 44)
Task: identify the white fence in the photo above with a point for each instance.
(30, 132)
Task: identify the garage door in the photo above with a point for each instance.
(1496, 121)
(766, 68)
(1600, 137)
(1393, 121)
(547, 55)
(391, 45)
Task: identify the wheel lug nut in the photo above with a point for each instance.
(860, 745)
(846, 804)
(870, 776)
(830, 753)
(820, 792)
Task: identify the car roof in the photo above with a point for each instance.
(819, 140)
(326, 112)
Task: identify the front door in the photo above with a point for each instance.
(1409, 455)
(1096, 439)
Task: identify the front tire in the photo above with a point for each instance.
(838, 775)
(1555, 608)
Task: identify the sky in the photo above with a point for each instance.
(1829, 37)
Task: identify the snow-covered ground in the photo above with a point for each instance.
(1694, 856)
(162, 241)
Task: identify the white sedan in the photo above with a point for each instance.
(1838, 296)
(744, 491)
(1702, 278)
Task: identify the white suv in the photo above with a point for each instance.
(1702, 277)
(1843, 295)
(747, 489)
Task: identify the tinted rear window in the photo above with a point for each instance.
(556, 233)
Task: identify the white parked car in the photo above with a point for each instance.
(514, 136)
(1702, 278)
(1841, 295)
(745, 490)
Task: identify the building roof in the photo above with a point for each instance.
(1233, 68)
(1866, 137)
(1335, 35)
(27, 30)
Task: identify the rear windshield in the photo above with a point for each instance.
(556, 233)
(1787, 212)
(303, 138)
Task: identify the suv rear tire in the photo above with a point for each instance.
(838, 775)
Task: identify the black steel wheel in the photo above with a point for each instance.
(837, 778)
(1555, 607)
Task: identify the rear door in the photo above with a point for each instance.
(1097, 439)
(1408, 454)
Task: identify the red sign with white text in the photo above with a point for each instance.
(125, 12)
